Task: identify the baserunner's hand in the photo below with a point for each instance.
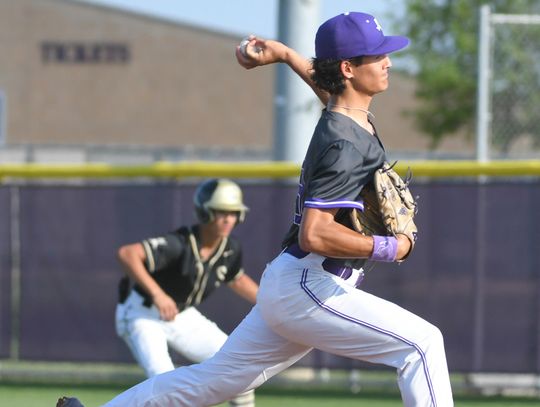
(166, 306)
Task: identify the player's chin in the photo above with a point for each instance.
(378, 87)
(226, 231)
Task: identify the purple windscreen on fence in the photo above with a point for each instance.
(69, 237)
(474, 272)
(511, 292)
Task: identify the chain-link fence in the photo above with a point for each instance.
(513, 85)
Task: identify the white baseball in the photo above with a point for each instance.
(243, 46)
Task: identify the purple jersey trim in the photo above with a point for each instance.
(375, 328)
(314, 203)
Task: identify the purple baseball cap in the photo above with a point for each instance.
(354, 34)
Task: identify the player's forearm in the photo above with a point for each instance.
(271, 52)
(342, 242)
(144, 280)
(303, 67)
(148, 284)
(131, 257)
(320, 233)
(335, 240)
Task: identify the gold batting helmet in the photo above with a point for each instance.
(221, 195)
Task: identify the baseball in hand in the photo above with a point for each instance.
(243, 46)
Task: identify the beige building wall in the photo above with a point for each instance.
(180, 86)
(74, 73)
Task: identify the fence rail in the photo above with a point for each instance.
(247, 170)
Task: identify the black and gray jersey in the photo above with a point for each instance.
(173, 260)
(341, 159)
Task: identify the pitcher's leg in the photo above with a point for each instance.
(252, 354)
(198, 338)
(352, 323)
(430, 357)
(404, 340)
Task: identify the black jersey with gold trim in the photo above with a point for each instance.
(174, 262)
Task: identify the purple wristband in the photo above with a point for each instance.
(384, 248)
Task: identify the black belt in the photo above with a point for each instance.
(336, 267)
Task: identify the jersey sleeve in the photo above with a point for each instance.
(337, 178)
(161, 251)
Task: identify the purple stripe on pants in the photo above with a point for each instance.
(368, 325)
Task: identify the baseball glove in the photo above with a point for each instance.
(389, 207)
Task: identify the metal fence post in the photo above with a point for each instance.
(484, 73)
(15, 215)
(482, 155)
(296, 108)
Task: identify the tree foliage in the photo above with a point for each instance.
(444, 46)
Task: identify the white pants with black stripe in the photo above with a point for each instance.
(299, 307)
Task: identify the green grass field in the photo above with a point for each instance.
(39, 384)
(93, 396)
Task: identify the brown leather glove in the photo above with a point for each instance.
(389, 207)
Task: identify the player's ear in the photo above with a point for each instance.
(346, 69)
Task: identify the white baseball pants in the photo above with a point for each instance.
(299, 307)
(190, 334)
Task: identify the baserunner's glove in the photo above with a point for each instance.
(389, 207)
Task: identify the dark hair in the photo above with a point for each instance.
(327, 74)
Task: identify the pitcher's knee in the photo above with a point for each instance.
(426, 346)
(435, 337)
